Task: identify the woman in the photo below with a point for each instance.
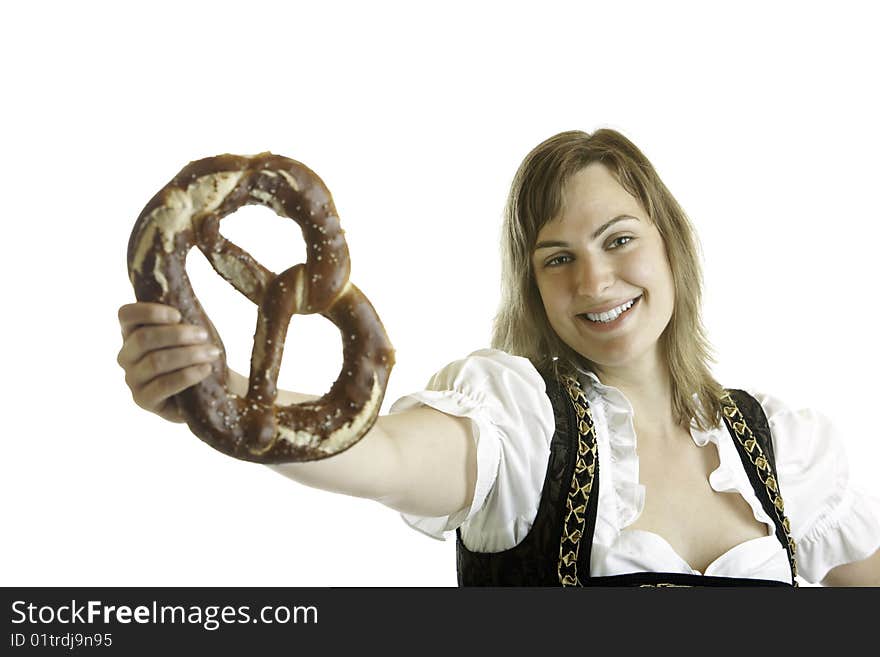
(529, 450)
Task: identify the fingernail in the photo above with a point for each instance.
(201, 334)
(213, 351)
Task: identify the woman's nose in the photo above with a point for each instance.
(594, 277)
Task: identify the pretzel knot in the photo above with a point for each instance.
(186, 213)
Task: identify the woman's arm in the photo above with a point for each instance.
(420, 461)
(858, 573)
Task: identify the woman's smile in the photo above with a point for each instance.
(610, 320)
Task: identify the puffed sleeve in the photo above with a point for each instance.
(512, 425)
(833, 521)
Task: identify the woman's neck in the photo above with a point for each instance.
(647, 385)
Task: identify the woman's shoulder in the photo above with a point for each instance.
(488, 373)
(796, 423)
(489, 381)
(775, 406)
(833, 519)
(492, 360)
(810, 453)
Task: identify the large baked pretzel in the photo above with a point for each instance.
(187, 212)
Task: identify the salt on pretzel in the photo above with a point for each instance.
(186, 213)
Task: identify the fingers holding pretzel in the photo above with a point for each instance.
(161, 356)
(187, 213)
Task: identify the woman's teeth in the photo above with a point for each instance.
(612, 314)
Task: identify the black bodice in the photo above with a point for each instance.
(556, 550)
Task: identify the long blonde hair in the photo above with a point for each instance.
(521, 326)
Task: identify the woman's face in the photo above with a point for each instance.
(603, 273)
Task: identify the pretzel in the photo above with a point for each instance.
(186, 213)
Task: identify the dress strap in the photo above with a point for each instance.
(755, 446)
(577, 503)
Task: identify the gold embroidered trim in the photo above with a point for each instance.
(756, 455)
(581, 484)
(665, 585)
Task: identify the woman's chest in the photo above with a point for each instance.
(681, 506)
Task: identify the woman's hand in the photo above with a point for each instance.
(161, 356)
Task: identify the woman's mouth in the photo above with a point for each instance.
(610, 318)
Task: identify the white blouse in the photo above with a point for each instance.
(832, 522)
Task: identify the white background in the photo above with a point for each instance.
(762, 120)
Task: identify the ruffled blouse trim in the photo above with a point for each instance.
(730, 476)
(620, 482)
(846, 535)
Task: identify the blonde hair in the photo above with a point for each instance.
(521, 326)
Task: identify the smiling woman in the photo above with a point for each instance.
(591, 445)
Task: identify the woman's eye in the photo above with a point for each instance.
(555, 261)
(617, 242)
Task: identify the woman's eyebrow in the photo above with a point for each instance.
(608, 224)
(548, 244)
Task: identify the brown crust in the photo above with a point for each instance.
(186, 213)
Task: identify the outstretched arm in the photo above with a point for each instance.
(420, 461)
